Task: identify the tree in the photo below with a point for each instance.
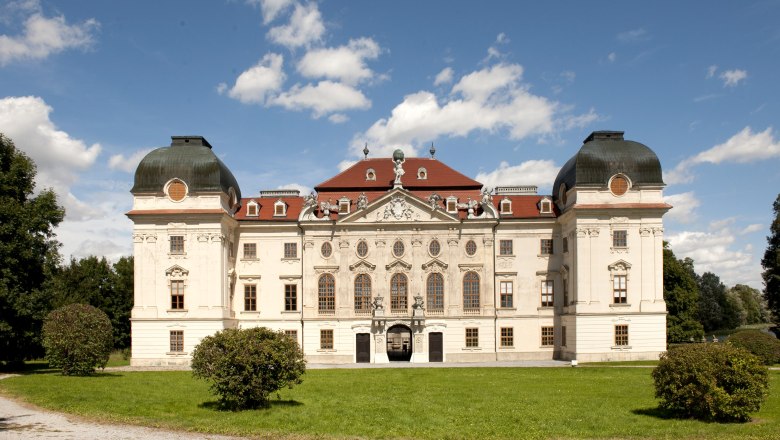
(78, 339)
(28, 252)
(245, 366)
(753, 304)
(96, 282)
(717, 310)
(682, 296)
(771, 264)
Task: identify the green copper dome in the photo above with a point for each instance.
(190, 159)
(604, 154)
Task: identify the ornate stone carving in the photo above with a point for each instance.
(658, 231)
(362, 266)
(416, 242)
(397, 209)
(581, 232)
(619, 265)
(645, 232)
(399, 265)
(362, 201)
(452, 241)
(399, 171)
(325, 269)
(434, 266)
(176, 271)
(327, 207)
(433, 201)
(343, 244)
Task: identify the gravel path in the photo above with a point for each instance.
(20, 421)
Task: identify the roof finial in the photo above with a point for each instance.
(432, 150)
(365, 150)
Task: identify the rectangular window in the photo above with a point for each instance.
(547, 293)
(507, 337)
(507, 300)
(506, 207)
(505, 247)
(452, 206)
(279, 209)
(546, 246)
(619, 291)
(250, 297)
(472, 337)
(563, 336)
(177, 295)
(326, 339)
(548, 336)
(290, 297)
(292, 334)
(565, 292)
(621, 335)
(620, 239)
(177, 341)
(565, 244)
(250, 250)
(343, 206)
(291, 250)
(177, 244)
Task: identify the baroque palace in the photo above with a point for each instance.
(404, 259)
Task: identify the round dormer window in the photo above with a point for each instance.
(619, 185)
(177, 190)
(562, 194)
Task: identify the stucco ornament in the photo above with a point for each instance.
(397, 209)
(433, 200)
(362, 201)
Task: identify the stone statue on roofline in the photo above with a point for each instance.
(362, 201)
(398, 160)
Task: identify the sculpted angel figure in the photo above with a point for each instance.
(362, 201)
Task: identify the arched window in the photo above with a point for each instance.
(362, 292)
(326, 289)
(471, 290)
(435, 290)
(398, 293)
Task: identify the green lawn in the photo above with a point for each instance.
(420, 403)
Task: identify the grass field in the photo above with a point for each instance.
(420, 403)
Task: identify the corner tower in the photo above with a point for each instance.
(610, 195)
(184, 199)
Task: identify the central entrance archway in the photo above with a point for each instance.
(399, 343)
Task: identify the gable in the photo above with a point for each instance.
(399, 205)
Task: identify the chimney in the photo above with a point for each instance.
(604, 135)
(189, 141)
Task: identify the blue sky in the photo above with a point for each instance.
(288, 92)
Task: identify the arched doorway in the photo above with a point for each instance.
(399, 343)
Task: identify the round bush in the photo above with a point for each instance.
(78, 338)
(711, 382)
(765, 346)
(245, 366)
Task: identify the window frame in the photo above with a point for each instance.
(290, 297)
(546, 246)
(620, 238)
(250, 297)
(505, 207)
(434, 290)
(176, 245)
(506, 247)
(548, 336)
(621, 335)
(326, 293)
(362, 292)
(177, 294)
(431, 245)
(472, 337)
(344, 205)
(547, 293)
(176, 341)
(290, 250)
(399, 248)
(620, 289)
(361, 249)
(252, 209)
(470, 248)
(452, 205)
(507, 337)
(280, 209)
(252, 255)
(326, 246)
(326, 339)
(471, 291)
(398, 303)
(506, 294)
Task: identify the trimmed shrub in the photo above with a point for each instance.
(78, 338)
(711, 382)
(245, 366)
(765, 346)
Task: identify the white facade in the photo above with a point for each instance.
(490, 285)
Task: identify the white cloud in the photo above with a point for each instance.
(343, 63)
(532, 172)
(502, 38)
(749, 229)
(743, 147)
(59, 156)
(255, 85)
(127, 164)
(612, 57)
(711, 71)
(684, 207)
(491, 99)
(717, 251)
(323, 98)
(344, 164)
(338, 118)
(302, 188)
(732, 77)
(633, 35)
(44, 36)
(305, 27)
(271, 8)
(444, 77)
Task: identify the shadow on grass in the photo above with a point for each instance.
(215, 405)
(657, 412)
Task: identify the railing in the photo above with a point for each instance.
(434, 312)
(327, 312)
(363, 312)
(471, 312)
(399, 312)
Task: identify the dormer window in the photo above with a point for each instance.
(251, 209)
(619, 184)
(370, 174)
(280, 209)
(344, 205)
(452, 204)
(545, 206)
(176, 190)
(506, 206)
(422, 174)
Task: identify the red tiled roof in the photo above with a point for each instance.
(265, 209)
(524, 206)
(174, 211)
(438, 175)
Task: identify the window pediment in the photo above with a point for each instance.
(620, 265)
(176, 271)
(434, 265)
(399, 265)
(362, 264)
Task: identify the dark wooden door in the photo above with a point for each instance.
(363, 347)
(435, 347)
